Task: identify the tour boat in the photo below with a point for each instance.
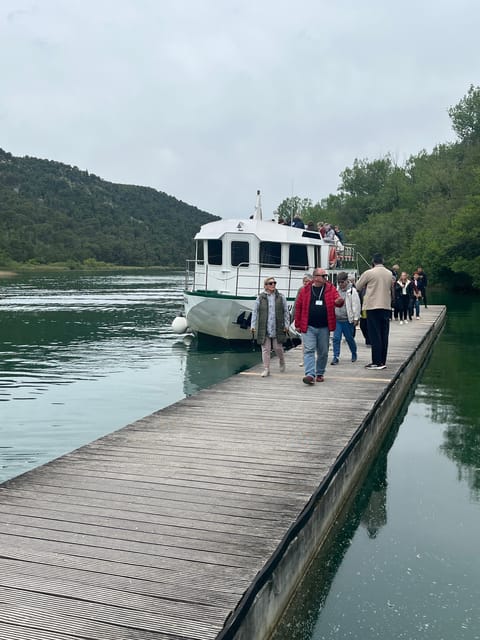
(232, 259)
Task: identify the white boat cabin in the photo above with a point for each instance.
(233, 257)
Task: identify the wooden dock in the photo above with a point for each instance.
(197, 521)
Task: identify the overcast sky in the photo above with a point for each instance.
(210, 100)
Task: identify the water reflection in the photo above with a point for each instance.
(204, 365)
(450, 387)
(368, 510)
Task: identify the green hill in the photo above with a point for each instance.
(52, 212)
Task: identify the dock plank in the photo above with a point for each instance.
(156, 531)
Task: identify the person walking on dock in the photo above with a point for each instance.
(315, 318)
(404, 298)
(270, 322)
(422, 284)
(377, 301)
(347, 317)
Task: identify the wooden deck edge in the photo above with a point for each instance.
(263, 603)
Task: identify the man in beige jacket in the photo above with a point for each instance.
(377, 302)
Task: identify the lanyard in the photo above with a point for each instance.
(315, 297)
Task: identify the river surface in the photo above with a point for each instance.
(83, 354)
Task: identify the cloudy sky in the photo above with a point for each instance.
(209, 100)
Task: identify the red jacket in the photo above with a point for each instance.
(302, 306)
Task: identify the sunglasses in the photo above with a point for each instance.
(272, 282)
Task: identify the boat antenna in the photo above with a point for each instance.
(258, 207)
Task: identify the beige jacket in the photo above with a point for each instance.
(377, 282)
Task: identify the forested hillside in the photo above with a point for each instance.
(425, 212)
(51, 212)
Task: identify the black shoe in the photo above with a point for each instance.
(371, 366)
(309, 380)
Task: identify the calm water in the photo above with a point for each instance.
(82, 355)
(404, 562)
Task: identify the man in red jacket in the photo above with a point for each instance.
(315, 318)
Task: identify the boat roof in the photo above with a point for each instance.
(264, 230)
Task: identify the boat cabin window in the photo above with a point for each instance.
(200, 254)
(240, 253)
(270, 254)
(214, 252)
(298, 257)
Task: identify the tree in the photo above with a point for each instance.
(465, 116)
(293, 206)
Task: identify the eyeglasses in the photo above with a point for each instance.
(272, 282)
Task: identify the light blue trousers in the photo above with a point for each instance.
(315, 350)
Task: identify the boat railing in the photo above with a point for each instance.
(246, 278)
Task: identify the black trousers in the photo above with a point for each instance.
(378, 326)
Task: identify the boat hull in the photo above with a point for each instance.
(220, 316)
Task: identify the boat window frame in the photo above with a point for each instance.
(273, 260)
(297, 266)
(215, 255)
(242, 260)
(200, 252)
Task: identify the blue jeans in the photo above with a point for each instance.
(416, 306)
(345, 328)
(315, 342)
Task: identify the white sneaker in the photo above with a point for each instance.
(418, 317)
(406, 321)
(265, 373)
(282, 367)
(401, 321)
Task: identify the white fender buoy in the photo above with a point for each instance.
(179, 324)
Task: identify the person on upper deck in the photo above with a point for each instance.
(377, 302)
(340, 235)
(297, 222)
(329, 234)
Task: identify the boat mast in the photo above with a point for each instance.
(258, 207)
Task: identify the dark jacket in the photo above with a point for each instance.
(399, 295)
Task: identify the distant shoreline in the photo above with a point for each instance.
(11, 271)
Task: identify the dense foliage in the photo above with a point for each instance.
(51, 212)
(426, 212)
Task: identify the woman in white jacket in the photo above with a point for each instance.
(347, 317)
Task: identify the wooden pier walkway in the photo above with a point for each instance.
(161, 530)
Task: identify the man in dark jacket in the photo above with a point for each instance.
(315, 318)
(422, 284)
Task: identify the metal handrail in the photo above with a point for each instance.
(286, 273)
